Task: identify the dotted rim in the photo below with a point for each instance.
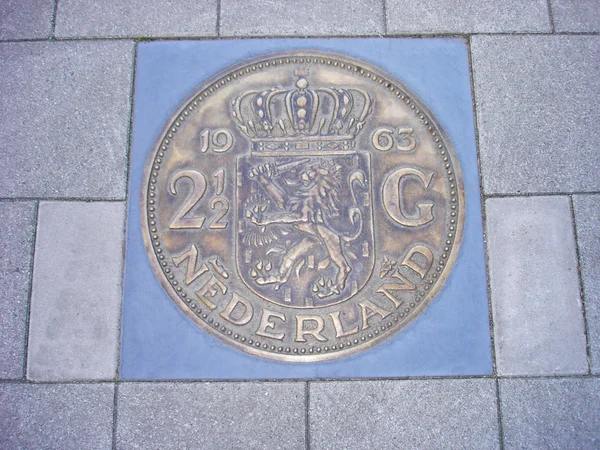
(396, 320)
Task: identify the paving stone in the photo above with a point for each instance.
(16, 248)
(404, 414)
(538, 320)
(31, 19)
(576, 15)
(587, 221)
(61, 416)
(464, 16)
(309, 17)
(76, 293)
(89, 18)
(451, 337)
(551, 413)
(210, 415)
(64, 118)
(536, 112)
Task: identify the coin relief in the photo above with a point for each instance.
(302, 206)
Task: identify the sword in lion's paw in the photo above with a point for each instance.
(277, 169)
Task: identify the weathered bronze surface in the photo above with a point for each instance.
(302, 206)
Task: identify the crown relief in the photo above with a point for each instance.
(331, 114)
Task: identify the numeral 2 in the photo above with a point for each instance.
(218, 204)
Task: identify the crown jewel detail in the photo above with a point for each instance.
(301, 114)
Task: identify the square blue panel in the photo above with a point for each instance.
(450, 337)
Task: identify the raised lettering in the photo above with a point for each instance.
(220, 178)
(266, 323)
(301, 331)
(411, 263)
(406, 135)
(198, 189)
(192, 271)
(382, 139)
(211, 289)
(386, 289)
(222, 140)
(339, 329)
(369, 309)
(223, 206)
(245, 317)
(392, 197)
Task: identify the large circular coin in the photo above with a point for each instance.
(302, 206)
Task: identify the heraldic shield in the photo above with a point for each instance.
(305, 227)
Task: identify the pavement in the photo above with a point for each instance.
(66, 99)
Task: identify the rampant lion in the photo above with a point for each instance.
(315, 199)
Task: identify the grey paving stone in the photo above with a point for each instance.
(16, 249)
(551, 413)
(465, 16)
(537, 311)
(576, 15)
(64, 115)
(587, 221)
(56, 416)
(118, 18)
(210, 415)
(29, 19)
(537, 112)
(309, 17)
(404, 414)
(76, 291)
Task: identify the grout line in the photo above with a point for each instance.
(64, 381)
(127, 186)
(582, 376)
(540, 194)
(53, 21)
(588, 349)
(385, 25)
(30, 290)
(114, 421)
(292, 36)
(307, 415)
(483, 213)
(61, 199)
(486, 252)
(218, 25)
(551, 16)
(499, 412)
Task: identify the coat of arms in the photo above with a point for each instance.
(305, 222)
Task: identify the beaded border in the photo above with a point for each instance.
(397, 319)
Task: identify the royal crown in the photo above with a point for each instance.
(305, 119)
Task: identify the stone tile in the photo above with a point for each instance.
(536, 113)
(16, 248)
(551, 413)
(65, 115)
(211, 415)
(30, 19)
(404, 414)
(538, 320)
(464, 16)
(65, 416)
(309, 17)
(76, 294)
(451, 338)
(117, 18)
(576, 15)
(587, 223)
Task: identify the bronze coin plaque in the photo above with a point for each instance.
(302, 206)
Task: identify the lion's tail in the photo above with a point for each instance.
(355, 215)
